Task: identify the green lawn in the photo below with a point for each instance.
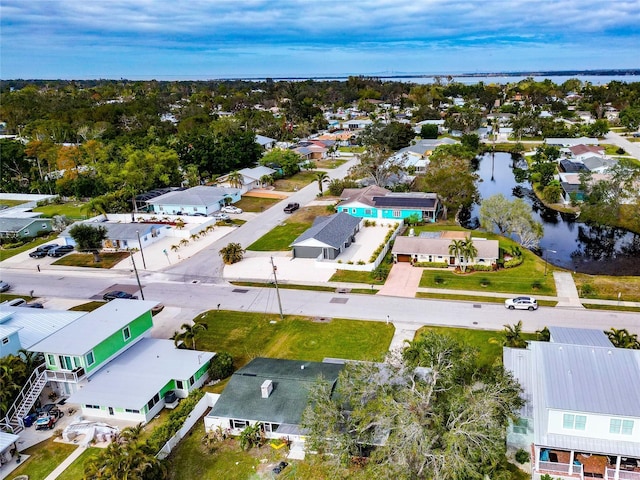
(354, 276)
(489, 351)
(8, 253)
(72, 210)
(255, 204)
(247, 335)
(293, 286)
(329, 163)
(610, 149)
(351, 149)
(107, 259)
(75, 471)
(12, 203)
(621, 308)
(608, 287)
(87, 307)
(296, 182)
(476, 298)
(280, 238)
(45, 457)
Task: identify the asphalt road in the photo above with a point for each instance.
(630, 147)
(206, 265)
(200, 296)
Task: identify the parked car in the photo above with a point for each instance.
(231, 209)
(113, 294)
(291, 207)
(42, 250)
(198, 214)
(33, 305)
(15, 302)
(221, 216)
(521, 303)
(278, 468)
(47, 420)
(4, 286)
(60, 251)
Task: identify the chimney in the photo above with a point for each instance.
(266, 388)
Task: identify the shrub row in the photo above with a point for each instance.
(177, 417)
(514, 262)
(431, 264)
(378, 250)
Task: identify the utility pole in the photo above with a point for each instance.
(144, 264)
(275, 279)
(137, 277)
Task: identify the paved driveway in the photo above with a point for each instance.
(403, 281)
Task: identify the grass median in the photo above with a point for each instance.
(282, 236)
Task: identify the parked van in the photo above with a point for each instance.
(16, 302)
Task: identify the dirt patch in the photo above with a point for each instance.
(322, 319)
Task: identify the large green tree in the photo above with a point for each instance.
(513, 217)
(429, 414)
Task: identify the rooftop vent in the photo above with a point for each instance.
(266, 388)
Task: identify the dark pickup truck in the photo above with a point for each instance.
(292, 207)
(42, 250)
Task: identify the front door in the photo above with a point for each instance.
(110, 410)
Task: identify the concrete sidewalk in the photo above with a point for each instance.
(65, 464)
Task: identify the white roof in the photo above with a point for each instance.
(7, 440)
(135, 376)
(89, 330)
(580, 336)
(35, 324)
(256, 173)
(202, 195)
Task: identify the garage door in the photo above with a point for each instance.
(404, 258)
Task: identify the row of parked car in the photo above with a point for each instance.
(51, 250)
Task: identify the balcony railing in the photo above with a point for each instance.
(73, 376)
(622, 475)
(559, 468)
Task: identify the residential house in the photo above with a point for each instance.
(567, 166)
(570, 183)
(376, 202)
(202, 199)
(24, 227)
(581, 416)
(416, 157)
(105, 361)
(21, 328)
(265, 142)
(252, 177)
(272, 392)
(584, 151)
(597, 164)
(327, 237)
(433, 247)
(356, 124)
(124, 236)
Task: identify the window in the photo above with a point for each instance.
(97, 407)
(51, 359)
(618, 426)
(5, 340)
(126, 333)
(192, 380)
(397, 214)
(574, 422)
(239, 423)
(354, 210)
(130, 410)
(521, 426)
(368, 211)
(179, 384)
(90, 359)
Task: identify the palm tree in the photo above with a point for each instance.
(175, 248)
(544, 335)
(321, 177)
(232, 253)
(188, 332)
(266, 180)
(623, 339)
(235, 179)
(184, 242)
(456, 248)
(194, 236)
(512, 336)
(97, 205)
(469, 252)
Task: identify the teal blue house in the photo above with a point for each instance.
(375, 202)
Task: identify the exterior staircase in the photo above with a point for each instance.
(26, 399)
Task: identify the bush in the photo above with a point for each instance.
(482, 268)
(514, 262)
(536, 285)
(438, 280)
(431, 264)
(522, 456)
(221, 366)
(381, 272)
(485, 282)
(177, 417)
(587, 290)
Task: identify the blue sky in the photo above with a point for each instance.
(200, 39)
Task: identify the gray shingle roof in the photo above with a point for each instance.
(242, 399)
(14, 225)
(333, 230)
(363, 195)
(201, 195)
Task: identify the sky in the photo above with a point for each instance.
(204, 39)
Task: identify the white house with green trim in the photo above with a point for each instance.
(105, 362)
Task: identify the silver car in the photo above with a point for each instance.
(231, 209)
(521, 303)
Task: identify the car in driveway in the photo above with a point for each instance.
(113, 294)
(221, 216)
(60, 251)
(231, 209)
(291, 207)
(521, 303)
(42, 250)
(4, 286)
(279, 467)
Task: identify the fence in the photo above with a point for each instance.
(207, 401)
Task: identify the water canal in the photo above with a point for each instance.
(566, 243)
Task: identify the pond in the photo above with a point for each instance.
(566, 243)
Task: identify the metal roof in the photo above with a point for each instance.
(580, 336)
(35, 324)
(121, 231)
(333, 230)
(89, 330)
(422, 201)
(132, 378)
(7, 440)
(201, 195)
(242, 399)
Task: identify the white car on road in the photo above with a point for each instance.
(521, 303)
(231, 209)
